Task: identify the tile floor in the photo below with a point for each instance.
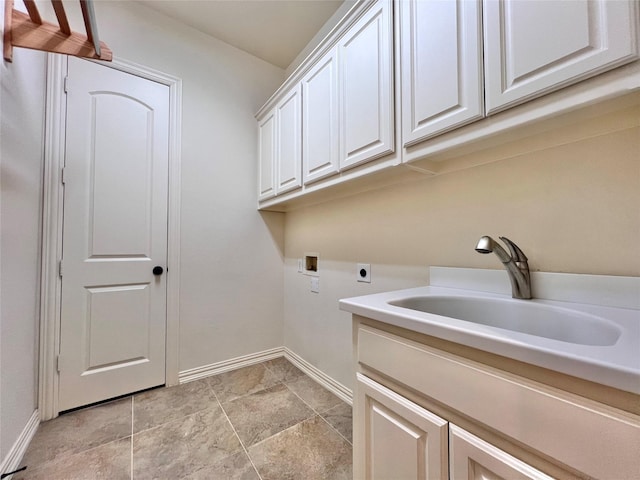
(266, 421)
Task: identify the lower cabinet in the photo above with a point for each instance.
(396, 439)
(471, 458)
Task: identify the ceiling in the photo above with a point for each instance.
(273, 30)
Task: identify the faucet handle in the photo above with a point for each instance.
(517, 254)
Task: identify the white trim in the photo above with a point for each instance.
(50, 284)
(322, 378)
(52, 224)
(228, 365)
(335, 387)
(12, 461)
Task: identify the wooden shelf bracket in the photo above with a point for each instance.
(30, 31)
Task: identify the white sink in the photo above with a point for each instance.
(598, 343)
(520, 316)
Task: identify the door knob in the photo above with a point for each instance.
(158, 270)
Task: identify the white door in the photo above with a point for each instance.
(113, 318)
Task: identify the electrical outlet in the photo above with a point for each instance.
(315, 285)
(363, 272)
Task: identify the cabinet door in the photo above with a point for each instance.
(267, 155)
(320, 132)
(441, 59)
(395, 438)
(289, 149)
(366, 87)
(534, 47)
(474, 459)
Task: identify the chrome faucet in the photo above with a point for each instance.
(516, 264)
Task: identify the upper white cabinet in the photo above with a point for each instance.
(320, 127)
(421, 69)
(280, 146)
(533, 47)
(441, 59)
(289, 146)
(366, 87)
(267, 155)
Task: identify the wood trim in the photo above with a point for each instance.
(34, 15)
(52, 225)
(7, 46)
(61, 16)
(48, 37)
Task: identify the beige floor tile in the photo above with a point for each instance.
(234, 467)
(340, 418)
(78, 431)
(111, 461)
(243, 381)
(284, 370)
(265, 413)
(310, 450)
(317, 397)
(182, 447)
(163, 405)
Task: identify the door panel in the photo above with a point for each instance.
(396, 438)
(113, 318)
(267, 154)
(441, 54)
(320, 130)
(366, 88)
(119, 228)
(289, 133)
(533, 47)
(471, 458)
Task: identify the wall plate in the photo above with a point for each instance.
(363, 272)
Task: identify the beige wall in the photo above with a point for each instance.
(21, 155)
(569, 198)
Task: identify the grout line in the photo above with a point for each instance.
(335, 429)
(246, 452)
(132, 419)
(317, 413)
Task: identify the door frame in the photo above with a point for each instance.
(52, 215)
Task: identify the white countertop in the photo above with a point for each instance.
(616, 365)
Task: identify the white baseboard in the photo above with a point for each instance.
(335, 387)
(228, 365)
(322, 378)
(12, 461)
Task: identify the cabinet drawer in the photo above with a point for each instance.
(593, 438)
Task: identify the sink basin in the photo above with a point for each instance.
(520, 316)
